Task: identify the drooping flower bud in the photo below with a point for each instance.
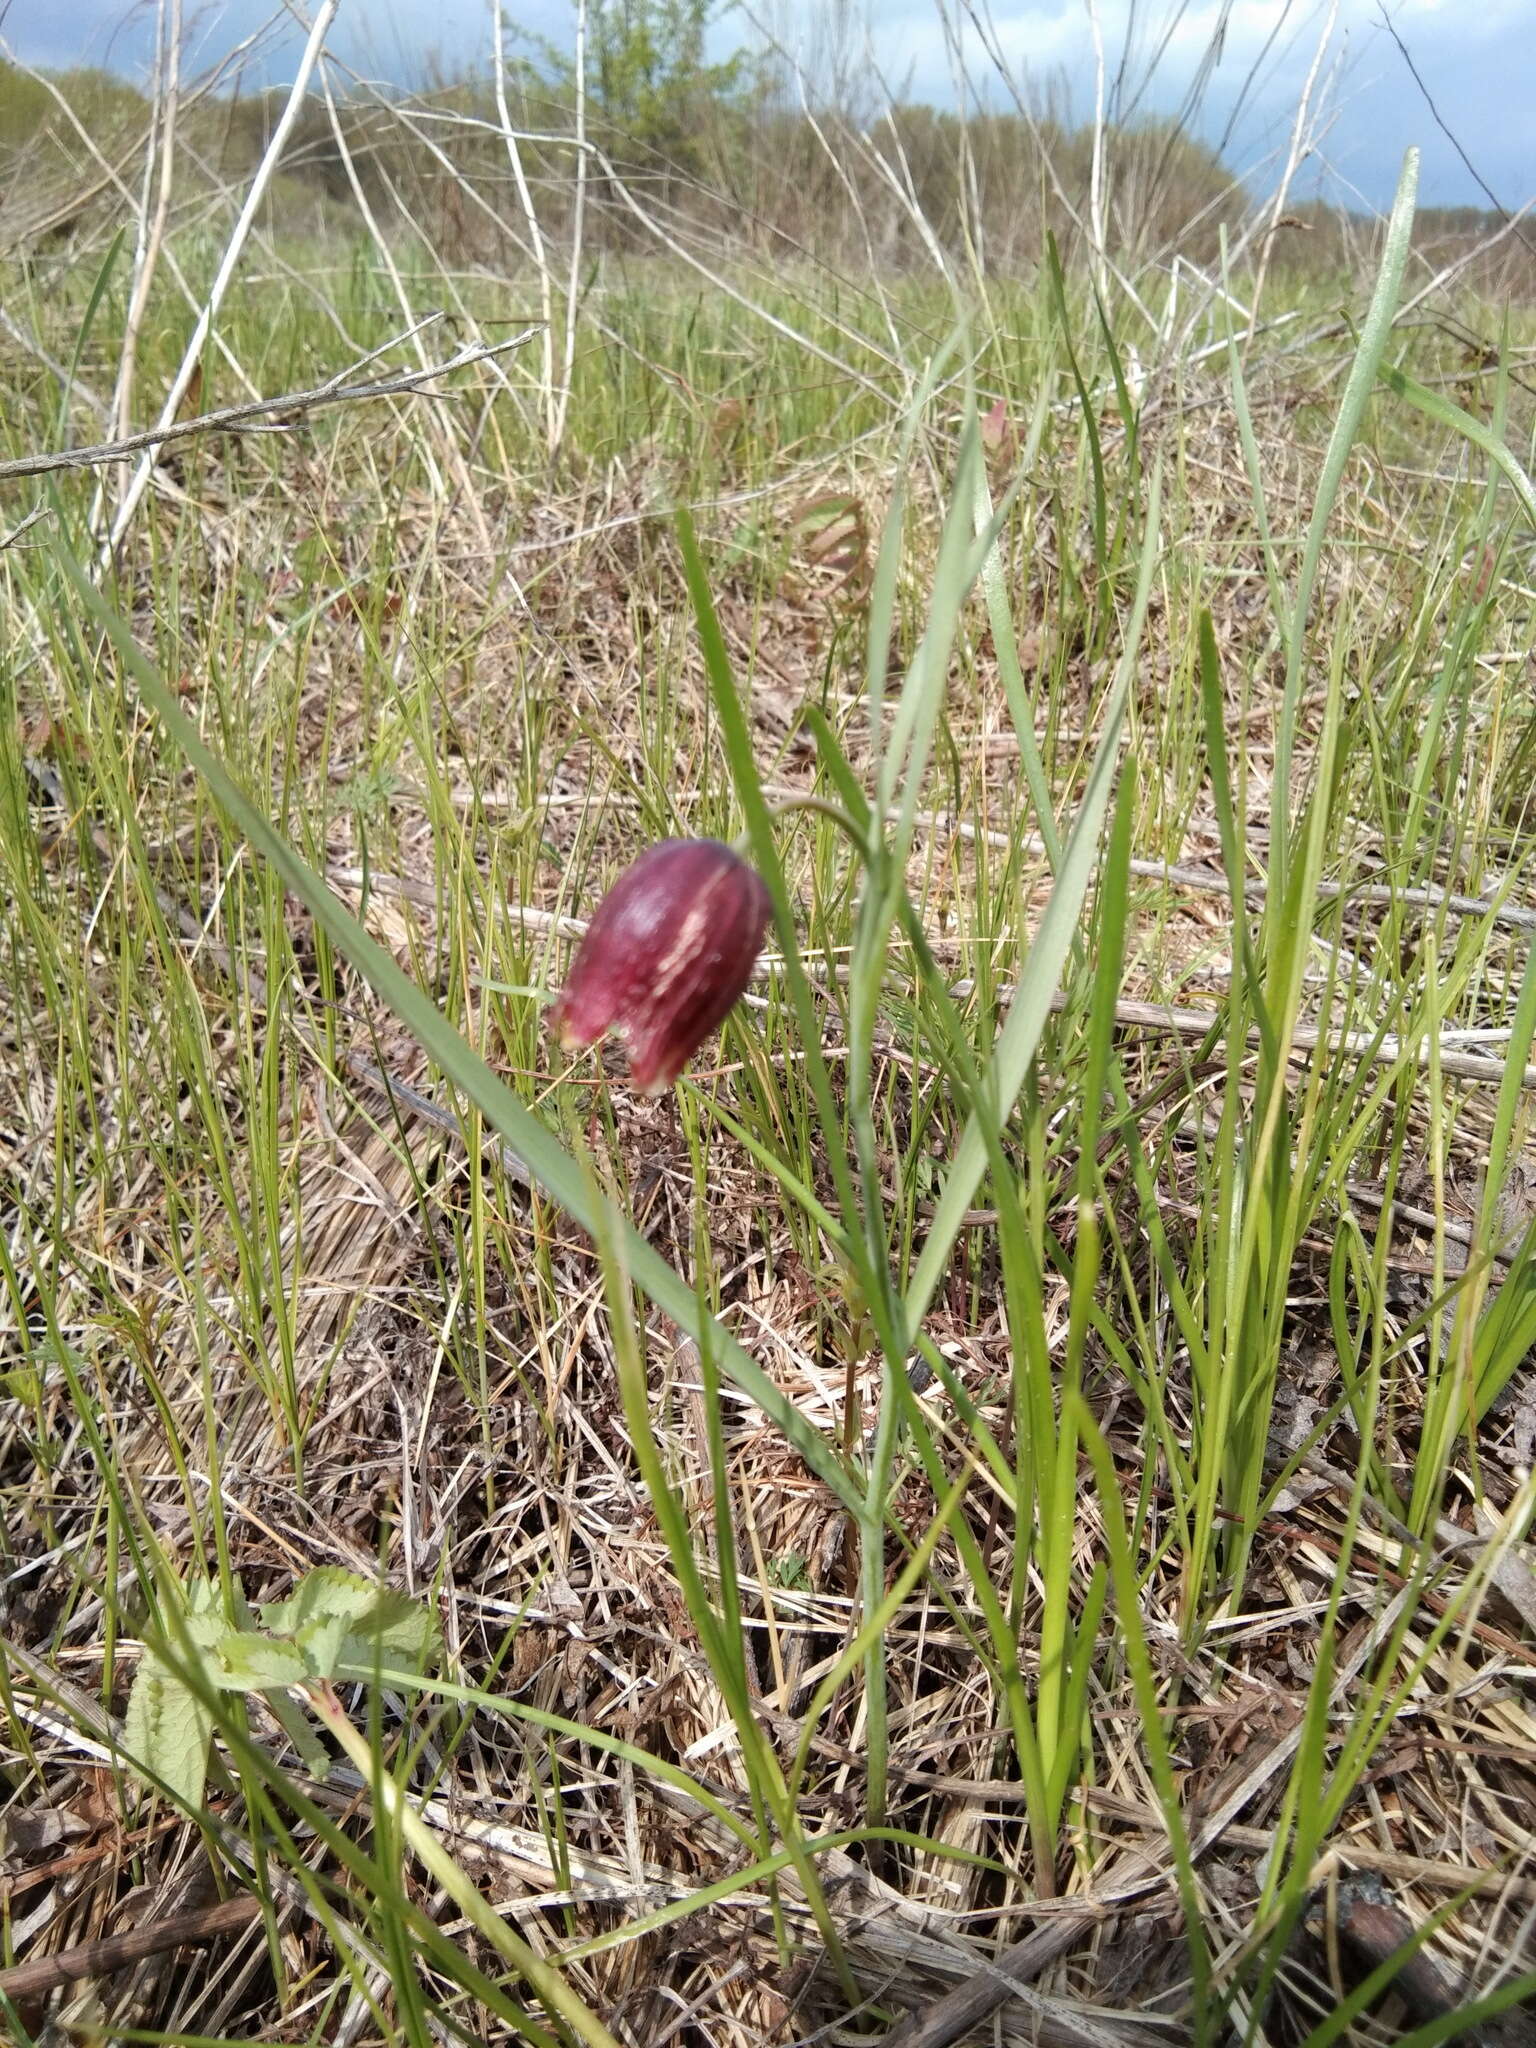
(669, 951)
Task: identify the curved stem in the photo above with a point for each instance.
(822, 805)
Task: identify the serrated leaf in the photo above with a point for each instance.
(203, 1615)
(321, 1642)
(339, 1621)
(166, 1730)
(168, 1727)
(326, 1594)
(246, 1662)
(399, 1631)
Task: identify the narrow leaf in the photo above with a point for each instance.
(1021, 1033)
(535, 1145)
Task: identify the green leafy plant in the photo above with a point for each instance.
(333, 1626)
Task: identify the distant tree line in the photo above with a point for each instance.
(683, 144)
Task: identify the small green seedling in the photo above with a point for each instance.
(334, 1626)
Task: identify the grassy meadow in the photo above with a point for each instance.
(1001, 1508)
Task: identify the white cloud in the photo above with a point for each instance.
(1478, 62)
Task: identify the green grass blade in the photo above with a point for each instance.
(1374, 336)
(1020, 1035)
(546, 1159)
(1446, 413)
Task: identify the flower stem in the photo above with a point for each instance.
(742, 844)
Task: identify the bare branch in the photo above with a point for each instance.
(9, 540)
(111, 1952)
(234, 416)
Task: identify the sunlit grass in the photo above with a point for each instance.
(727, 1581)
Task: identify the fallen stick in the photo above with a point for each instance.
(117, 1951)
(1212, 882)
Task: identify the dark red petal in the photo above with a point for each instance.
(669, 951)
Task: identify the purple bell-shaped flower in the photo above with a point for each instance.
(667, 954)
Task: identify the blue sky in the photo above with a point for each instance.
(1476, 57)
